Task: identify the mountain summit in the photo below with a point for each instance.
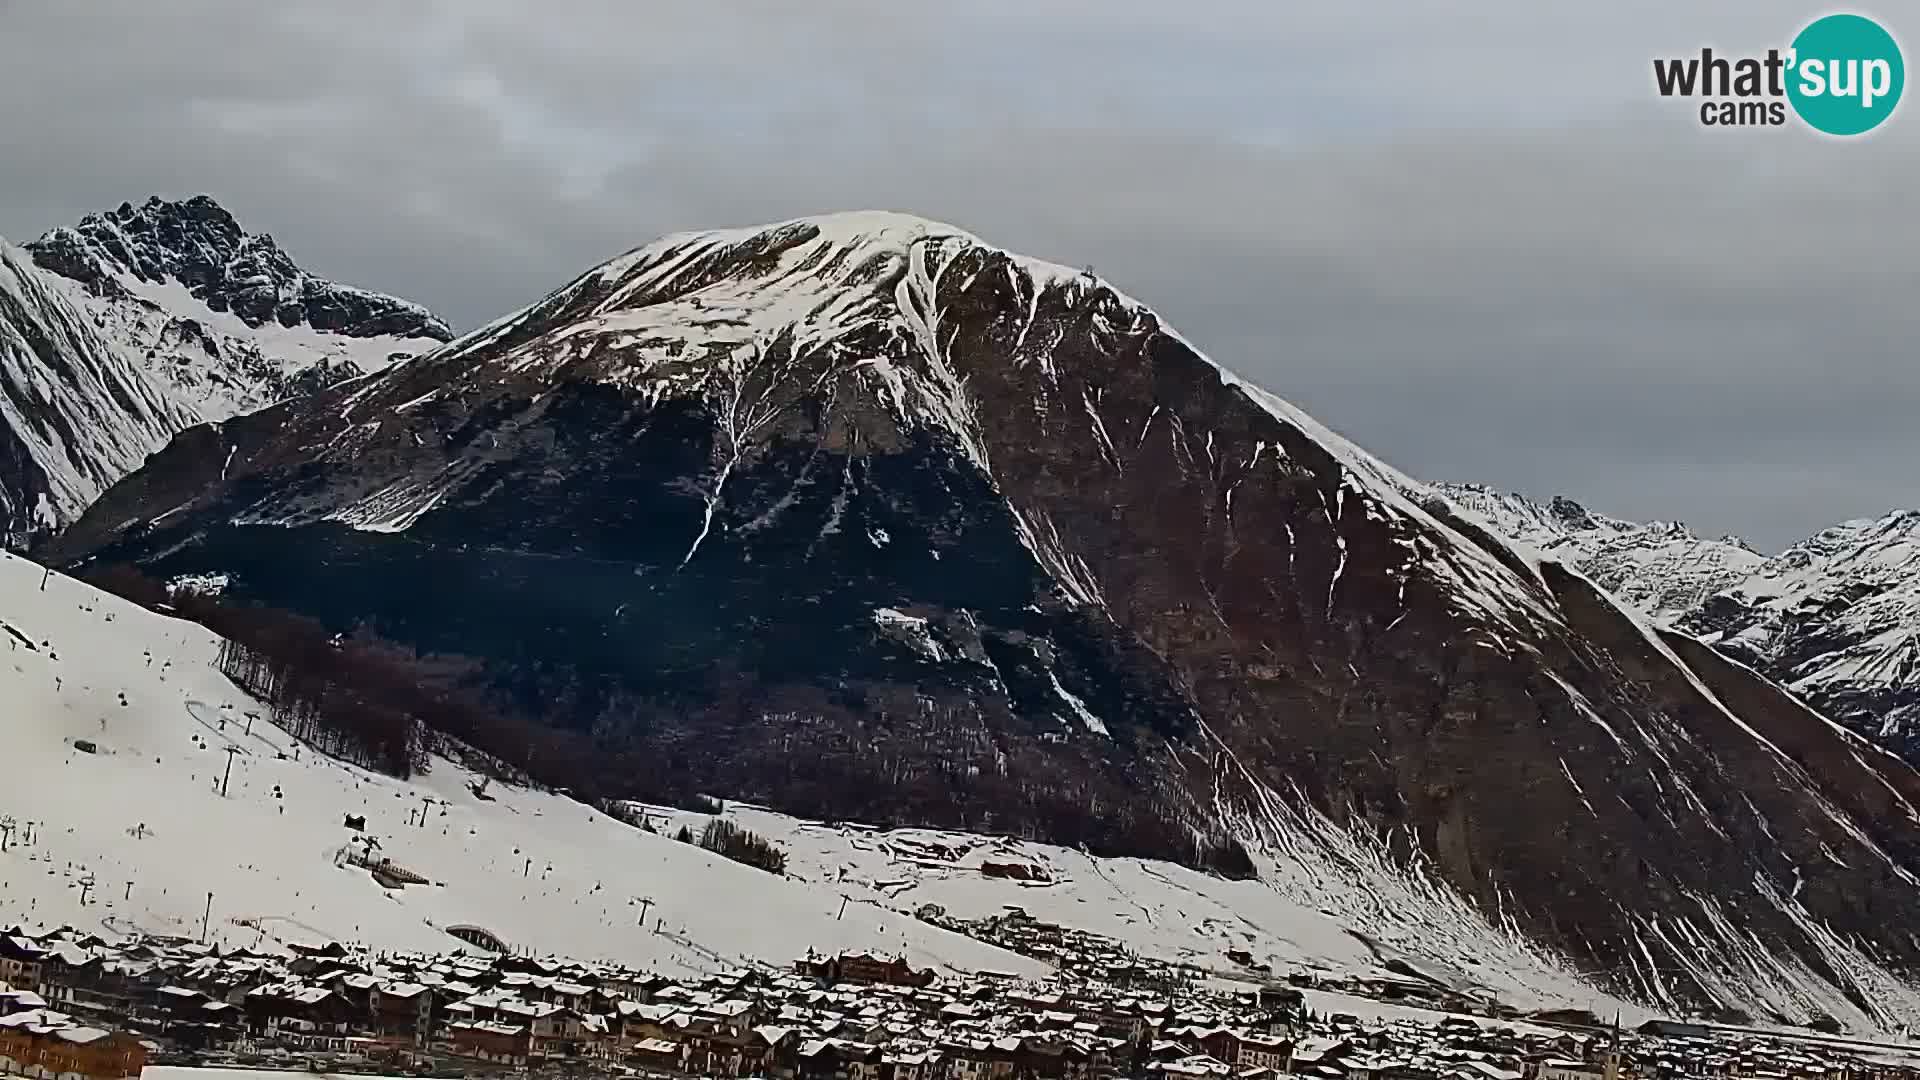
(141, 321)
(198, 244)
(224, 314)
(862, 517)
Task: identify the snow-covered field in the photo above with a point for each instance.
(141, 819)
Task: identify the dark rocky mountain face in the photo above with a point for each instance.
(198, 243)
(859, 516)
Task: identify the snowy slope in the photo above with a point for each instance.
(144, 810)
(76, 413)
(1660, 568)
(223, 314)
(1306, 916)
(1835, 618)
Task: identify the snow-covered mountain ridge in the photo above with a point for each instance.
(1835, 618)
(76, 412)
(139, 322)
(225, 314)
(993, 548)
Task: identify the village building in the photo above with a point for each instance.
(21, 960)
(47, 1044)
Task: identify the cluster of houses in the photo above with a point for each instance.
(97, 1009)
(1071, 952)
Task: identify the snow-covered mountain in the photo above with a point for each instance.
(1660, 567)
(861, 517)
(223, 314)
(139, 322)
(1836, 617)
(76, 412)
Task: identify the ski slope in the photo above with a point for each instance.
(141, 818)
(1292, 918)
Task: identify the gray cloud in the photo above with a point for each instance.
(1479, 246)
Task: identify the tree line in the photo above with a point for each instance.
(723, 837)
(368, 700)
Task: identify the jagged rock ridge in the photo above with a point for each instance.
(224, 314)
(143, 321)
(197, 243)
(988, 544)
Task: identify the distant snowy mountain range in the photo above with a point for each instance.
(142, 321)
(1835, 618)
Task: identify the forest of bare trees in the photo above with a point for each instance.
(723, 837)
(360, 697)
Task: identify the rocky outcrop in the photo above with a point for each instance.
(224, 316)
(197, 243)
(860, 516)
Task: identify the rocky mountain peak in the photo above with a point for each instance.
(225, 316)
(198, 244)
(1571, 514)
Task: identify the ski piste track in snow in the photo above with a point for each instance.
(209, 717)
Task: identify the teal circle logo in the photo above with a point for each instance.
(1846, 74)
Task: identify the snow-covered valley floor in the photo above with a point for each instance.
(139, 828)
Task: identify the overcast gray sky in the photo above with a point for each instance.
(1478, 244)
